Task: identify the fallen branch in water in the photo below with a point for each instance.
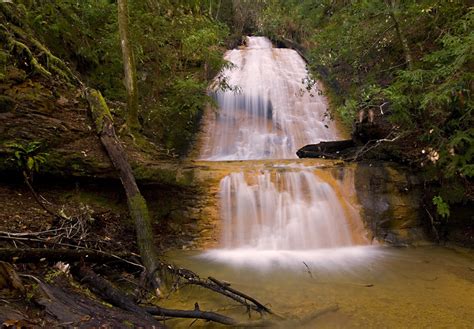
(107, 292)
(164, 313)
(227, 287)
(221, 288)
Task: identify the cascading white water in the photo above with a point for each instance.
(296, 211)
(288, 212)
(276, 109)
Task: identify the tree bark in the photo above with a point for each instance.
(129, 68)
(136, 203)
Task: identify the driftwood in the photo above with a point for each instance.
(75, 310)
(366, 138)
(164, 313)
(106, 291)
(219, 287)
(136, 203)
(25, 255)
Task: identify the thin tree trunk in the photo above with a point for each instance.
(128, 66)
(136, 203)
(391, 4)
(218, 9)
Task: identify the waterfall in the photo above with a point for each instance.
(277, 109)
(296, 211)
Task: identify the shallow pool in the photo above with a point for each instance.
(375, 287)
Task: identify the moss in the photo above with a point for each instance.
(154, 173)
(137, 202)
(99, 108)
(139, 213)
(4, 57)
(185, 177)
(76, 165)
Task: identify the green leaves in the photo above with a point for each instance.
(442, 208)
(27, 156)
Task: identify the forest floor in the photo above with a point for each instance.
(77, 182)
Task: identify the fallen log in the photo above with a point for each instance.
(31, 255)
(74, 310)
(136, 203)
(328, 150)
(107, 292)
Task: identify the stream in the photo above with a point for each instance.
(292, 236)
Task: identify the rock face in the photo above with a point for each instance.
(390, 199)
(387, 196)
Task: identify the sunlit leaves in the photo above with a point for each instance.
(442, 208)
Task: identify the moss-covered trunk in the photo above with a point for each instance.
(136, 203)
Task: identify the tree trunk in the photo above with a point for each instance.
(391, 4)
(136, 203)
(129, 68)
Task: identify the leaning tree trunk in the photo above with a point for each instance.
(129, 68)
(136, 203)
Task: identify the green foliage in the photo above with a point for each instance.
(173, 41)
(85, 33)
(358, 49)
(179, 112)
(28, 157)
(437, 98)
(179, 49)
(442, 208)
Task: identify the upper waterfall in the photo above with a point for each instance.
(274, 109)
